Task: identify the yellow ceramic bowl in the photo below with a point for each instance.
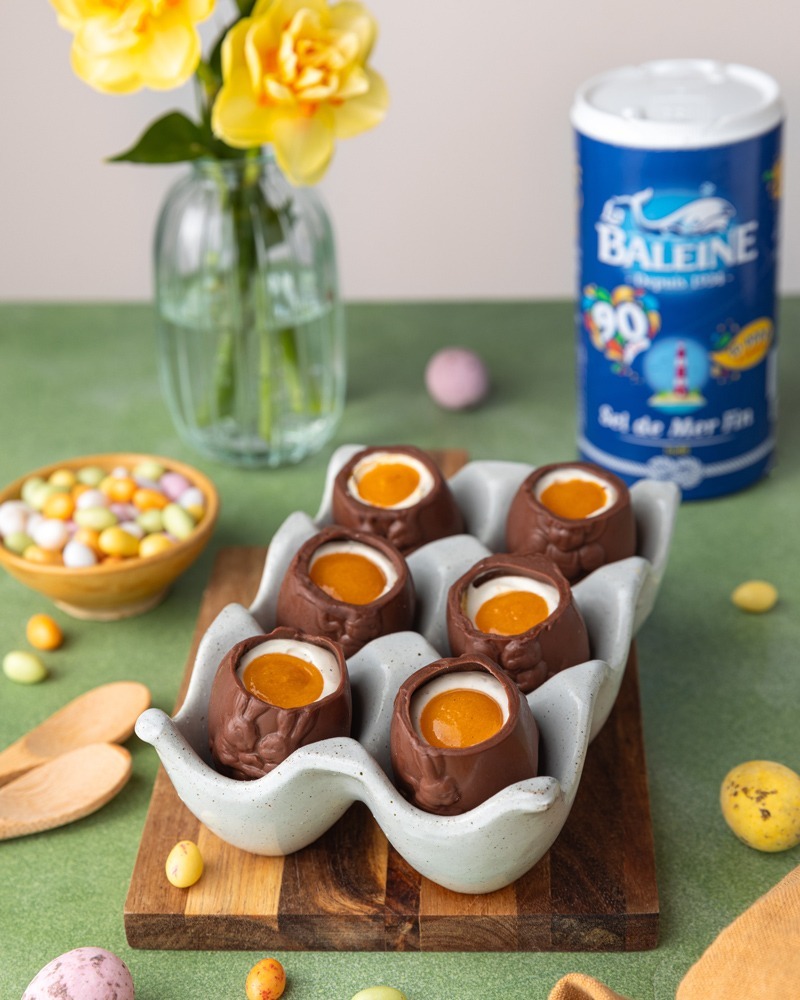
(121, 589)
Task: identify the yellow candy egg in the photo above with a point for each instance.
(151, 545)
(755, 596)
(116, 541)
(760, 802)
(184, 864)
(63, 477)
(45, 557)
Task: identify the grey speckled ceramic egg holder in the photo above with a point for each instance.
(489, 846)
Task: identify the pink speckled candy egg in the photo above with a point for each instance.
(456, 378)
(88, 973)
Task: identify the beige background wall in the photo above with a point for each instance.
(466, 191)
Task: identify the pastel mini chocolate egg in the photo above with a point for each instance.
(460, 732)
(576, 513)
(398, 493)
(271, 695)
(519, 611)
(89, 973)
(349, 586)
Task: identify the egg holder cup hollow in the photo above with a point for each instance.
(491, 845)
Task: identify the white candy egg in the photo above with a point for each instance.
(376, 458)
(477, 596)
(133, 528)
(193, 497)
(50, 533)
(91, 498)
(322, 659)
(88, 973)
(14, 516)
(76, 555)
(358, 548)
(567, 474)
(473, 680)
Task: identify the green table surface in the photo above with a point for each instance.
(718, 686)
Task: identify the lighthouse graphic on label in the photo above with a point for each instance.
(676, 371)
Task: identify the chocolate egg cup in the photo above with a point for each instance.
(435, 515)
(453, 780)
(302, 604)
(248, 737)
(493, 844)
(577, 545)
(531, 657)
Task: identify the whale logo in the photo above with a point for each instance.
(698, 217)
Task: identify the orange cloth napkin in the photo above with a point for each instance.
(756, 958)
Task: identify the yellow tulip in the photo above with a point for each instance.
(295, 76)
(120, 46)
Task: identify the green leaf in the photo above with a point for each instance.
(171, 139)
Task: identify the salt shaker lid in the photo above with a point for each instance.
(678, 104)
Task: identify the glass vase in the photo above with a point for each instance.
(249, 322)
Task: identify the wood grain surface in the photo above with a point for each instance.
(595, 890)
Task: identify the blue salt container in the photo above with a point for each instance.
(679, 190)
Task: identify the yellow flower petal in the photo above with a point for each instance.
(237, 118)
(281, 12)
(354, 84)
(115, 75)
(69, 13)
(303, 144)
(171, 56)
(364, 112)
(278, 92)
(233, 46)
(256, 54)
(354, 17)
(109, 35)
(199, 10)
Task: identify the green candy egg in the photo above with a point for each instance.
(177, 521)
(91, 475)
(24, 668)
(17, 541)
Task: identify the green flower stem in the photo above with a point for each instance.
(279, 365)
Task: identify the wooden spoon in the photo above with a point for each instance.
(62, 790)
(106, 714)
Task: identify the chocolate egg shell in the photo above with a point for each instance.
(531, 657)
(304, 605)
(433, 516)
(249, 737)
(448, 781)
(578, 546)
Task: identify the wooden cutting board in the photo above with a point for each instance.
(595, 890)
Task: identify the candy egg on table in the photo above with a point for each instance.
(460, 732)
(576, 513)
(519, 611)
(398, 493)
(81, 532)
(89, 973)
(348, 585)
(272, 694)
